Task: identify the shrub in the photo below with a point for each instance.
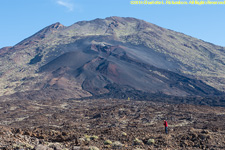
(151, 141)
(117, 144)
(88, 138)
(94, 137)
(108, 142)
(93, 148)
(137, 141)
(124, 134)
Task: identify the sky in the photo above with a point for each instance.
(23, 18)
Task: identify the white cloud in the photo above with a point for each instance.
(66, 3)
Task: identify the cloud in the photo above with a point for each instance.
(66, 3)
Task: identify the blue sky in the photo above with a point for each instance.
(22, 18)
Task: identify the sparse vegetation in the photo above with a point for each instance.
(151, 141)
(124, 134)
(108, 142)
(87, 138)
(137, 141)
(117, 144)
(49, 131)
(93, 148)
(93, 137)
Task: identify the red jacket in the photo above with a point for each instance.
(165, 124)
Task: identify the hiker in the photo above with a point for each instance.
(166, 126)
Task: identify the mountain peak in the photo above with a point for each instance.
(42, 34)
(56, 26)
(51, 28)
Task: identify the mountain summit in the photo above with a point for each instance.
(114, 56)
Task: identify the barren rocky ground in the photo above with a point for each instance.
(109, 124)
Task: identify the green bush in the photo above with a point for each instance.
(151, 141)
(93, 148)
(137, 141)
(117, 144)
(108, 142)
(124, 134)
(94, 137)
(88, 138)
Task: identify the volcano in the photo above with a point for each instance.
(114, 57)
